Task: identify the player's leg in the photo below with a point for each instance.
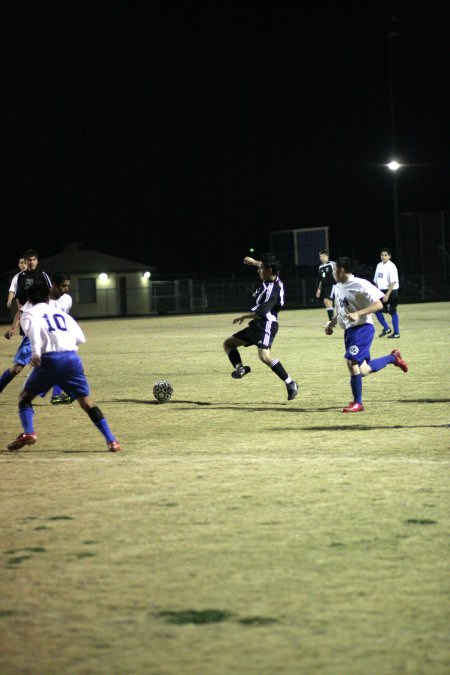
(394, 314)
(328, 302)
(98, 419)
(26, 415)
(277, 367)
(21, 359)
(380, 316)
(230, 346)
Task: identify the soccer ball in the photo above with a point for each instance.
(162, 391)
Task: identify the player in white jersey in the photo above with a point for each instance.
(386, 279)
(54, 338)
(355, 301)
(59, 297)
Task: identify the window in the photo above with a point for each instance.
(87, 290)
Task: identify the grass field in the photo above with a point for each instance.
(237, 532)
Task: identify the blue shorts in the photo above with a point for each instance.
(62, 368)
(358, 341)
(23, 354)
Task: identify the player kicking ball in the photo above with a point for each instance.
(355, 301)
(54, 336)
(263, 326)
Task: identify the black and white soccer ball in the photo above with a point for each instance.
(162, 391)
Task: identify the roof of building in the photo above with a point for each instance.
(73, 260)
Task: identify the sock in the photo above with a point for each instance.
(380, 363)
(235, 357)
(98, 419)
(356, 385)
(56, 390)
(382, 320)
(279, 370)
(330, 312)
(5, 379)
(26, 414)
(395, 324)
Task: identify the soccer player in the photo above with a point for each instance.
(13, 286)
(54, 336)
(326, 282)
(263, 327)
(386, 279)
(355, 301)
(32, 275)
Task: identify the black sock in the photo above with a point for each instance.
(235, 357)
(279, 370)
(330, 312)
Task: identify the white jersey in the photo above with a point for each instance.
(64, 303)
(351, 296)
(49, 328)
(386, 274)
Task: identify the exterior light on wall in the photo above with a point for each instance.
(103, 276)
(147, 275)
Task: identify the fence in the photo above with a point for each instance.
(191, 296)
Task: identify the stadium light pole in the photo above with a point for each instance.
(394, 166)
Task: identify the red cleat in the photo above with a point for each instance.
(354, 407)
(399, 361)
(113, 446)
(23, 439)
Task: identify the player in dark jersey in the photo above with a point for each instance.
(326, 282)
(32, 275)
(263, 327)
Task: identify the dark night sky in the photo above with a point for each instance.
(154, 130)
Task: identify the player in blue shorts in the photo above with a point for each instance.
(355, 301)
(54, 336)
(263, 327)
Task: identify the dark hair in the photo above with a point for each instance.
(30, 253)
(60, 277)
(387, 250)
(324, 250)
(345, 262)
(38, 293)
(270, 260)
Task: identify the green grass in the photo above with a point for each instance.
(237, 532)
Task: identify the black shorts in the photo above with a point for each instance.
(258, 332)
(390, 307)
(326, 292)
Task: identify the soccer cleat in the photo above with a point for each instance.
(354, 407)
(113, 446)
(394, 335)
(60, 399)
(240, 371)
(292, 390)
(399, 362)
(23, 439)
(385, 331)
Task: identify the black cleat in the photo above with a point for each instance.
(394, 335)
(385, 331)
(292, 390)
(240, 371)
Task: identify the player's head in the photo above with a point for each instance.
(270, 266)
(344, 265)
(324, 255)
(22, 264)
(38, 293)
(31, 258)
(385, 254)
(60, 284)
